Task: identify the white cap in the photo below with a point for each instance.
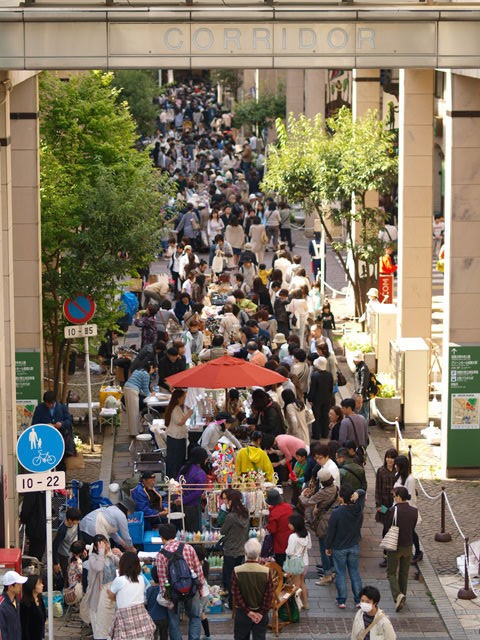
(12, 577)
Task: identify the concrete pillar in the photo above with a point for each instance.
(315, 82)
(295, 91)
(415, 210)
(26, 216)
(462, 260)
(365, 92)
(7, 325)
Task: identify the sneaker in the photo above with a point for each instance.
(325, 580)
(418, 557)
(341, 605)
(383, 563)
(400, 602)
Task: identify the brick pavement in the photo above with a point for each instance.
(428, 613)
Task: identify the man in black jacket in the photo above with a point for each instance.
(320, 395)
(361, 378)
(406, 519)
(168, 365)
(10, 625)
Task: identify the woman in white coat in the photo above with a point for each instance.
(258, 239)
(371, 619)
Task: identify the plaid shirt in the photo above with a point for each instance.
(240, 602)
(190, 556)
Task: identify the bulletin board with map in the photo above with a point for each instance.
(463, 406)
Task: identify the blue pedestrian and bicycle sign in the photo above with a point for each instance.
(40, 448)
(80, 309)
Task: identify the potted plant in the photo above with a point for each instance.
(387, 404)
(355, 342)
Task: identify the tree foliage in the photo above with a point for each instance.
(139, 87)
(262, 112)
(101, 202)
(325, 165)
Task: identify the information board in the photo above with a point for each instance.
(463, 406)
(28, 375)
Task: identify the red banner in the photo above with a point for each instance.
(385, 288)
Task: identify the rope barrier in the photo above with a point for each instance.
(453, 517)
(335, 291)
(427, 495)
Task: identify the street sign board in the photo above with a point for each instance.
(463, 406)
(40, 448)
(80, 331)
(49, 481)
(80, 309)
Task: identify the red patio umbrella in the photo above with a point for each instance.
(225, 373)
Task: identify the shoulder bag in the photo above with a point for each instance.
(363, 634)
(390, 539)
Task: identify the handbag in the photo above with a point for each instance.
(73, 595)
(264, 238)
(309, 416)
(341, 380)
(294, 565)
(390, 539)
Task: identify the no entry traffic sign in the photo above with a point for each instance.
(80, 309)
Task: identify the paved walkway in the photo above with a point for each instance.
(432, 609)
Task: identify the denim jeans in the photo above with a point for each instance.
(192, 610)
(344, 559)
(327, 563)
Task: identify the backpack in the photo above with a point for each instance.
(183, 584)
(373, 386)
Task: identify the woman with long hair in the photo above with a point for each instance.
(32, 609)
(294, 411)
(298, 545)
(102, 570)
(405, 478)
(128, 592)
(235, 532)
(385, 479)
(176, 416)
(194, 475)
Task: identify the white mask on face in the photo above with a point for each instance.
(366, 607)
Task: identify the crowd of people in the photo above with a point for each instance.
(221, 294)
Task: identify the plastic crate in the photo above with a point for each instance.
(215, 608)
(136, 527)
(116, 392)
(148, 545)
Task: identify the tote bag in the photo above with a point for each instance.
(390, 539)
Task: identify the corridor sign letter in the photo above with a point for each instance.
(40, 448)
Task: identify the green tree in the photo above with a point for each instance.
(260, 113)
(101, 203)
(322, 166)
(139, 87)
(229, 79)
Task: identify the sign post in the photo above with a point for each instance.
(40, 448)
(80, 310)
